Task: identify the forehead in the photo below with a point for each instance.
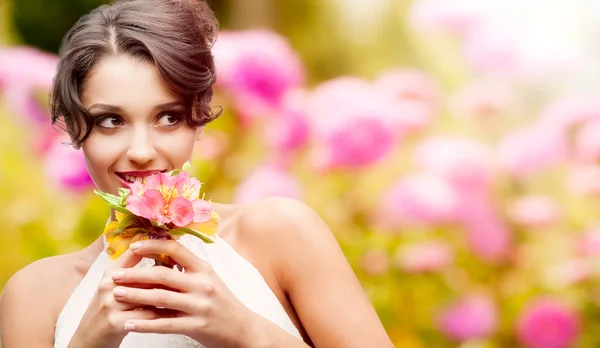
(126, 82)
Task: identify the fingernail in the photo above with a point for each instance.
(117, 275)
(129, 326)
(120, 292)
(135, 246)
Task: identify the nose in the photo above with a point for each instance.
(141, 150)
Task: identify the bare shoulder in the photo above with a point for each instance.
(286, 230)
(32, 298)
(284, 219)
(314, 273)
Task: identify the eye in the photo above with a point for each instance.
(168, 120)
(109, 122)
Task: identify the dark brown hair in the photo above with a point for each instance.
(175, 35)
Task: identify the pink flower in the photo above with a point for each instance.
(268, 181)
(23, 70)
(27, 65)
(488, 235)
(424, 257)
(454, 16)
(493, 50)
(257, 67)
(481, 101)
(169, 199)
(548, 323)
(472, 317)
(589, 243)
(415, 97)
(565, 113)
(291, 129)
(587, 142)
(535, 211)
(571, 272)
(465, 163)
(530, 150)
(419, 198)
(409, 84)
(65, 165)
(583, 180)
(351, 124)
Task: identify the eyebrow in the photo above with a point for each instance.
(116, 109)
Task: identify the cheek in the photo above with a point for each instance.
(100, 154)
(177, 147)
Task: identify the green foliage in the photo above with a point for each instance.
(43, 23)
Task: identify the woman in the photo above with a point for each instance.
(133, 89)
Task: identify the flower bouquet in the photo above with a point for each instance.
(160, 206)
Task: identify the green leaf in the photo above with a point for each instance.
(159, 225)
(124, 193)
(187, 167)
(184, 230)
(175, 172)
(119, 208)
(117, 232)
(127, 221)
(109, 198)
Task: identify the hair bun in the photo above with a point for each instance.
(205, 18)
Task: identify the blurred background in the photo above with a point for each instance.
(451, 145)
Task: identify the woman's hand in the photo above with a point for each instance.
(103, 324)
(204, 308)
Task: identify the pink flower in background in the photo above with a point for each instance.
(465, 163)
(493, 50)
(415, 97)
(481, 101)
(583, 179)
(535, 211)
(472, 317)
(66, 166)
(27, 65)
(454, 16)
(409, 84)
(587, 142)
(291, 129)
(268, 181)
(589, 243)
(419, 198)
(548, 323)
(351, 124)
(424, 257)
(571, 271)
(570, 111)
(488, 235)
(257, 67)
(23, 72)
(531, 149)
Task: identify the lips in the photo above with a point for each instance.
(133, 176)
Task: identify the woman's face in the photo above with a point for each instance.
(140, 126)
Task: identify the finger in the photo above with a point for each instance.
(180, 254)
(118, 321)
(127, 260)
(154, 297)
(160, 326)
(166, 277)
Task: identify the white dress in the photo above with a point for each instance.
(240, 276)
